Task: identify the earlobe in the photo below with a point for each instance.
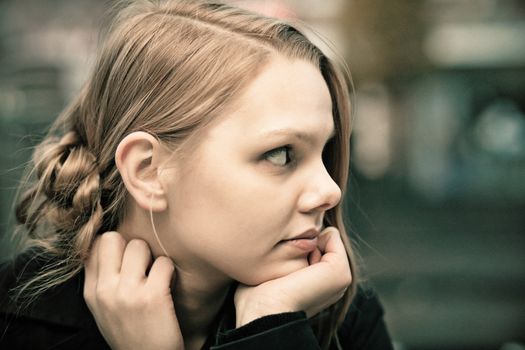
(138, 157)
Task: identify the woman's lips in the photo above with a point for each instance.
(304, 244)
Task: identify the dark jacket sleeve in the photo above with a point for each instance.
(363, 328)
(281, 331)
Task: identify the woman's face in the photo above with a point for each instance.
(257, 178)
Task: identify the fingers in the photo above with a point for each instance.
(328, 239)
(331, 245)
(109, 258)
(161, 274)
(128, 314)
(314, 256)
(335, 254)
(136, 260)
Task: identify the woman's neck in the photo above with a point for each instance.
(197, 303)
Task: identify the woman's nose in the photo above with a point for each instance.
(320, 193)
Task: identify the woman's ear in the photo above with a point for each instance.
(138, 158)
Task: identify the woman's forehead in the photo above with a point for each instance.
(287, 96)
(285, 84)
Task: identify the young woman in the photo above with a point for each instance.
(212, 144)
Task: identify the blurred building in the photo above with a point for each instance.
(439, 165)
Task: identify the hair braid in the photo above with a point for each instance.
(62, 211)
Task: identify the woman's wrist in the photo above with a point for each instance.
(258, 309)
(243, 318)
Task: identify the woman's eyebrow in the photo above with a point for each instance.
(307, 137)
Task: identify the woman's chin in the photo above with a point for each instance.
(274, 272)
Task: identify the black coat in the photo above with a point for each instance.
(60, 319)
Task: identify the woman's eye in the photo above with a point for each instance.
(281, 156)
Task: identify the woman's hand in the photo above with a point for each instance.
(133, 309)
(310, 289)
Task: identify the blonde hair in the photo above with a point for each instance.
(167, 68)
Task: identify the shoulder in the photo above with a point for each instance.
(57, 316)
(364, 326)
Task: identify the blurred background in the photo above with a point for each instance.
(437, 194)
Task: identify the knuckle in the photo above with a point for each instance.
(88, 296)
(165, 261)
(104, 296)
(344, 281)
(111, 237)
(138, 244)
(332, 231)
(348, 279)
